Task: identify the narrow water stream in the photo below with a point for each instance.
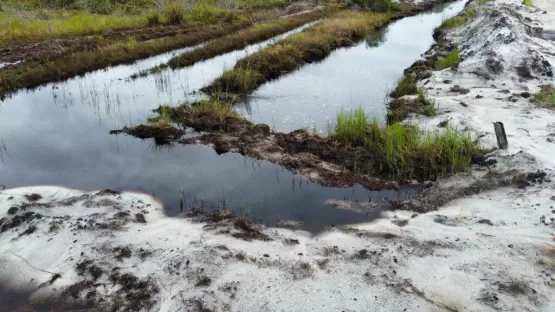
(58, 134)
(359, 76)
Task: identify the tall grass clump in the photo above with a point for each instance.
(218, 110)
(174, 13)
(351, 126)
(446, 62)
(153, 18)
(164, 117)
(205, 12)
(453, 22)
(546, 96)
(528, 3)
(405, 86)
(403, 151)
(241, 81)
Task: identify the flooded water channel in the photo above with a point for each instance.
(359, 76)
(58, 134)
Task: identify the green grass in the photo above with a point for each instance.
(164, 118)
(402, 151)
(351, 126)
(240, 80)
(453, 22)
(528, 3)
(217, 110)
(428, 107)
(446, 62)
(457, 21)
(405, 86)
(546, 96)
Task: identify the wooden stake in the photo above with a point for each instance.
(501, 136)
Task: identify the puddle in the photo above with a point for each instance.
(58, 135)
(349, 78)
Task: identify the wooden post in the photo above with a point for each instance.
(501, 136)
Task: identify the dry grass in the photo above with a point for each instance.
(313, 44)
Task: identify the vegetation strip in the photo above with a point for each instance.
(34, 73)
(356, 148)
(311, 45)
(243, 38)
(287, 55)
(23, 22)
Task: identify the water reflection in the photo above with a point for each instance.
(59, 134)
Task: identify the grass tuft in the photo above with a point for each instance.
(428, 107)
(443, 63)
(351, 126)
(174, 13)
(153, 18)
(403, 151)
(546, 96)
(405, 86)
(528, 3)
(241, 39)
(241, 80)
(310, 45)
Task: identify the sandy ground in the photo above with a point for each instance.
(547, 5)
(493, 251)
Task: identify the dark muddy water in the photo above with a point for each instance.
(359, 76)
(58, 135)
